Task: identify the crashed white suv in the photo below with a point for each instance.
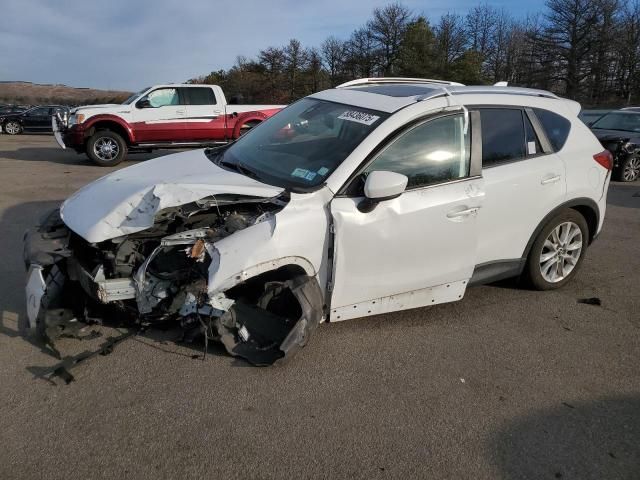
(376, 196)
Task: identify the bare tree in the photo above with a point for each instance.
(334, 53)
(361, 55)
(451, 40)
(387, 29)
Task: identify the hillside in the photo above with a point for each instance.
(34, 94)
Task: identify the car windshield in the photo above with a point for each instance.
(302, 145)
(624, 121)
(134, 96)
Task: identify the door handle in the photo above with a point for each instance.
(550, 179)
(180, 112)
(463, 213)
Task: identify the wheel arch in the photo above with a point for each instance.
(246, 118)
(286, 266)
(107, 122)
(587, 207)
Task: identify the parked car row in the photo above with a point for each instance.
(35, 119)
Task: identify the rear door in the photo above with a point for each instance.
(420, 248)
(524, 181)
(37, 119)
(160, 116)
(205, 117)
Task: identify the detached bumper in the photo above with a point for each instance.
(44, 249)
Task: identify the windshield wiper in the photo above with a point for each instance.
(238, 167)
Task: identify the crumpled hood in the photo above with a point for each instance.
(126, 201)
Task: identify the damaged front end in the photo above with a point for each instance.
(161, 276)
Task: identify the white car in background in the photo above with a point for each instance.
(376, 196)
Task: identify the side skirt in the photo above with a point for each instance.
(449, 292)
(499, 270)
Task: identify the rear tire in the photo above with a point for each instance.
(12, 128)
(106, 148)
(628, 170)
(557, 252)
(245, 127)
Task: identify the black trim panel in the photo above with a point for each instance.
(490, 272)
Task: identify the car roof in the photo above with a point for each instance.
(390, 95)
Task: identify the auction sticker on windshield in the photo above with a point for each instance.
(303, 173)
(359, 117)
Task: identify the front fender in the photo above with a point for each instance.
(91, 122)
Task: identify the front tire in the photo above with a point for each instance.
(629, 169)
(106, 148)
(12, 128)
(557, 251)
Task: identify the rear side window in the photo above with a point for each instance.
(503, 136)
(199, 96)
(555, 126)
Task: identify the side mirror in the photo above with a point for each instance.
(381, 186)
(144, 103)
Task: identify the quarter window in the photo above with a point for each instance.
(502, 136)
(432, 152)
(555, 126)
(199, 96)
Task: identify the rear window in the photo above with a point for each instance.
(199, 96)
(503, 136)
(555, 126)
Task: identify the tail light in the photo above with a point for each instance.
(605, 159)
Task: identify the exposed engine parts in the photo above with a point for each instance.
(161, 275)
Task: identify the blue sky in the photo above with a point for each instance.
(129, 44)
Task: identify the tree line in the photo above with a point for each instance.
(586, 50)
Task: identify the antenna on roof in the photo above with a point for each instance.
(501, 84)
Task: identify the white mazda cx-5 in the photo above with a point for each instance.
(375, 196)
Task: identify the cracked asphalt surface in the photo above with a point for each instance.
(506, 384)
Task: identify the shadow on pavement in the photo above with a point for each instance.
(595, 440)
(45, 154)
(624, 194)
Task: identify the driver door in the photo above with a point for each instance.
(419, 248)
(160, 116)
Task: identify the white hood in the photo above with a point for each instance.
(107, 106)
(126, 201)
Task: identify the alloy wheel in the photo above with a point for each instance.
(12, 128)
(106, 148)
(631, 170)
(561, 252)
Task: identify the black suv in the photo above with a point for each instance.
(36, 119)
(619, 132)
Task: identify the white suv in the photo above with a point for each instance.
(376, 196)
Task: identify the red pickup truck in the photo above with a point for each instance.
(164, 116)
